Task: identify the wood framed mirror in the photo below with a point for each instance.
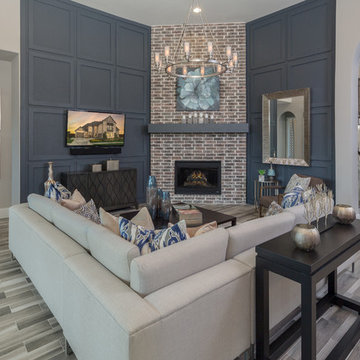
(286, 127)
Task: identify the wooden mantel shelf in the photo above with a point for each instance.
(198, 128)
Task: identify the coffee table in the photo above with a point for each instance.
(208, 216)
(281, 256)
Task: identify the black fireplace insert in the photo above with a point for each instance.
(198, 177)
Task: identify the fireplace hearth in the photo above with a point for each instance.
(198, 177)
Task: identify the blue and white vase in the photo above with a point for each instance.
(50, 181)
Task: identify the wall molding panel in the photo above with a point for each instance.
(73, 58)
(306, 58)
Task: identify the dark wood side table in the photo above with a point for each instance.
(267, 192)
(281, 256)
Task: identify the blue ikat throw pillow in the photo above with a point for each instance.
(150, 240)
(293, 198)
(169, 236)
(137, 235)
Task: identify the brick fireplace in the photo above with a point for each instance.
(227, 148)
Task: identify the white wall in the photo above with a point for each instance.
(10, 25)
(10, 66)
(347, 67)
(5, 133)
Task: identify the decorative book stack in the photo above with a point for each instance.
(189, 213)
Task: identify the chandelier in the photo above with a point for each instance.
(185, 64)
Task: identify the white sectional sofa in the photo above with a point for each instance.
(193, 300)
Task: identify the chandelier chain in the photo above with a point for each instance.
(215, 44)
(186, 22)
(198, 66)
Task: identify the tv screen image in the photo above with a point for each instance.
(86, 128)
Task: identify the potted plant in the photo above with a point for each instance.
(262, 175)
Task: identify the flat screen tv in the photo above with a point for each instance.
(94, 129)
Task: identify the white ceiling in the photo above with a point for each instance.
(165, 12)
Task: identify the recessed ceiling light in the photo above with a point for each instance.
(197, 10)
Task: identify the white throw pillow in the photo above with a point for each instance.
(297, 181)
(143, 218)
(111, 222)
(75, 202)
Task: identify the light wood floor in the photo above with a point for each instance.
(29, 331)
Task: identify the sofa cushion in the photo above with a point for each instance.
(42, 205)
(156, 270)
(251, 233)
(114, 252)
(72, 224)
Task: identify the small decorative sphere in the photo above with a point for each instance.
(306, 237)
(344, 214)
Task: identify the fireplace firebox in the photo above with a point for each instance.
(198, 177)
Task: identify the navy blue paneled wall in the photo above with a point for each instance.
(75, 57)
(290, 49)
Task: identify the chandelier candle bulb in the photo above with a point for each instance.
(167, 51)
(157, 59)
(210, 48)
(231, 65)
(235, 58)
(219, 68)
(187, 48)
(202, 70)
(184, 70)
(228, 52)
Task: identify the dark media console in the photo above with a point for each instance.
(111, 190)
(96, 150)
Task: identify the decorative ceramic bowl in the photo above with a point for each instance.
(344, 214)
(306, 237)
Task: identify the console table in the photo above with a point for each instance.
(281, 256)
(111, 190)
